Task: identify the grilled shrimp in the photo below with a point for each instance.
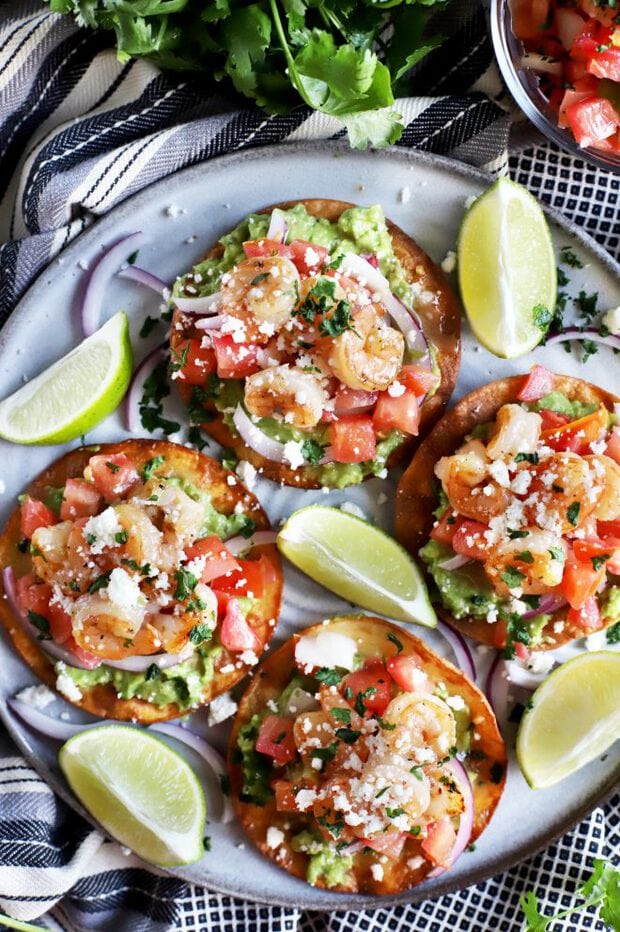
(262, 292)
(422, 723)
(49, 546)
(539, 557)
(143, 539)
(183, 516)
(565, 491)
(101, 627)
(517, 431)
(463, 479)
(369, 356)
(287, 394)
(608, 508)
(313, 730)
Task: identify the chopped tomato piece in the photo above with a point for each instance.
(536, 384)
(214, 558)
(577, 435)
(569, 98)
(61, 628)
(580, 581)
(446, 527)
(113, 475)
(198, 362)
(235, 632)
(390, 844)
(275, 739)
(90, 661)
(261, 248)
(371, 684)
(593, 120)
(521, 651)
(439, 841)
(407, 672)
(500, 633)
(613, 445)
(606, 64)
(353, 439)
(285, 796)
(418, 380)
(34, 514)
(32, 596)
(234, 360)
(609, 548)
(551, 419)
(587, 617)
(397, 413)
(81, 500)
(251, 579)
(353, 401)
(469, 540)
(308, 257)
(608, 528)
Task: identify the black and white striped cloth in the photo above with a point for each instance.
(79, 133)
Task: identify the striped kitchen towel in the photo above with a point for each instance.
(80, 132)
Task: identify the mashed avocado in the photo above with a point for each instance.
(256, 771)
(464, 592)
(560, 404)
(610, 604)
(325, 860)
(223, 526)
(183, 684)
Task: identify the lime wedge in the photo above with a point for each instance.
(75, 393)
(507, 270)
(358, 562)
(140, 790)
(574, 717)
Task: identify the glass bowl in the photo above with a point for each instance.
(523, 85)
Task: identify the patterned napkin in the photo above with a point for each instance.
(79, 133)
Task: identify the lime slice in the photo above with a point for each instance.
(75, 393)
(140, 790)
(507, 270)
(358, 562)
(575, 717)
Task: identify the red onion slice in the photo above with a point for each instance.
(547, 605)
(541, 63)
(102, 271)
(588, 333)
(460, 648)
(466, 822)
(410, 327)
(208, 304)
(454, 563)
(49, 726)
(496, 687)
(135, 274)
(141, 664)
(210, 323)
(355, 266)
(211, 757)
(521, 676)
(237, 545)
(134, 393)
(254, 437)
(278, 228)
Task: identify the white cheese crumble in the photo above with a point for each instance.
(455, 702)
(293, 453)
(540, 662)
(247, 473)
(326, 649)
(65, 685)
(274, 837)
(596, 641)
(37, 696)
(404, 195)
(221, 708)
(103, 529)
(396, 389)
(123, 590)
(449, 263)
(611, 320)
(377, 871)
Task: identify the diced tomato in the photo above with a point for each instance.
(608, 528)
(577, 435)
(593, 120)
(469, 540)
(61, 628)
(606, 64)
(407, 671)
(536, 384)
(372, 679)
(285, 796)
(418, 380)
(254, 576)
(235, 632)
(353, 401)
(113, 475)
(439, 842)
(32, 596)
(199, 362)
(592, 35)
(390, 844)
(446, 527)
(353, 439)
(34, 514)
(613, 445)
(592, 548)
(397, 413)
(81, 500)
(308, 257)
(551, 419)
(89, 660)
(580, 581)
(500, 633)
(275, 739)
(218, 560)
(521, 651)
(261, 248)
(235, 360)
(569, 98)
(588, 617)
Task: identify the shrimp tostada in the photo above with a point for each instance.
(317, 340)
(513, 504)
(362, 761)
(135, 581)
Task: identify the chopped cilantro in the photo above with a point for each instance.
(312, 451)
(339, 320)
(386, 726)
(196, 439)
(151, 465)
(517, 535)
(568, 257)
(185, 584)
(153, 672)
(512, 577)
(328, 676)
(359, 706)
(342, 715)
(100, 582)
(586, 304)
(260, 278)
(41, 624)
(178, 360)
(392, 637)
(348, 735)
(200, 633)
(328, 753)
(613, 634)
(248, 527)
(527, 458)
(394, 813)
(121, 537)
(417, 772)
(556, 553)
(525, 556)
(206, 843)
(381, 792)
(148, 326)
(572, 513)
(600, 561)
(541, 316)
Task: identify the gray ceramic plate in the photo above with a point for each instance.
(425, 195)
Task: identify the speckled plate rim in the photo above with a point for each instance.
(442, 885)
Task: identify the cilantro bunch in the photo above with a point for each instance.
(345, 58)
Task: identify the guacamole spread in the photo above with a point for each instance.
(325, 862)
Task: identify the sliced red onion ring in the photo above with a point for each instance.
(135, 274)
(141, 664)
(101, 273)
(208, 304)
(237, 545)
(588, 333)
(134, 393)
(49, 726)
(407, 322)
(541, 63)
(211, 757)
(254, 437)
(454, 563)
(547, 605)
(210, 323)
(521, 676)
(357, 402)
(357, 267)
(50, 647)
(496, 687)
(466, 822)
(278, 227)
(460, 648)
